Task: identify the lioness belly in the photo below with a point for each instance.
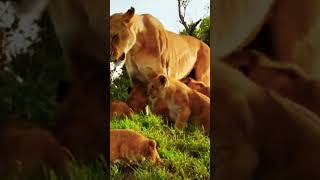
(141, 68)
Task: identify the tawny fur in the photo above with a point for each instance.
(196, 85)
(120, 109)
(289, 80)
(132, 146)
(258, 134)
(294, 29)
(160, 107)
(185, 104)
(149, 48)
(137, 99)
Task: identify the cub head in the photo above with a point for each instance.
(149, 151)
(156, 86)
(122, 35)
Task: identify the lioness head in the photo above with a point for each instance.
(156, 86)
(122, 36)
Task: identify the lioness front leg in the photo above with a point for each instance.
(182, 118)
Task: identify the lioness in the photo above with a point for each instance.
(120, 109)
(132, 146)
(27, 149)
(145, 46)
(184, 103)
(287, 79)
(259, 134)
(196, 85)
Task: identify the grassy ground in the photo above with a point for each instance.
(186, 153)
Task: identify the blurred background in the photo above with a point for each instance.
(31, 64)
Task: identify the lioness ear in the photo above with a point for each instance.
(163, 80)
(129, 14)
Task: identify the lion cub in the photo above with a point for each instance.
(289, 80)
(184, 103)
(120, 109)
(132, 146)
(196, 85)
(137, 99)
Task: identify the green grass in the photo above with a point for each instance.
(186, 154)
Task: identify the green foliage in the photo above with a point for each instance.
(186, 154)
(119, 88)
(33, 98)
(202, 32)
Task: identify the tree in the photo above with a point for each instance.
(189, 28)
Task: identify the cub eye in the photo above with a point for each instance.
(151, 86)
(115, 38)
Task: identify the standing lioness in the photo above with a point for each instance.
(147, 47)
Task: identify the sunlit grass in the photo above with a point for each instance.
(186, 154)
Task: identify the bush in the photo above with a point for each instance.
(119, 87)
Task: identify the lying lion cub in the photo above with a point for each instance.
(287, 79)
(196, 85)
(132, 146)
(183, 102)
(120, 109)
(259, 134)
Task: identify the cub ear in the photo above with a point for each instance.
(129, 14)
(163, 80)
(152, 144)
